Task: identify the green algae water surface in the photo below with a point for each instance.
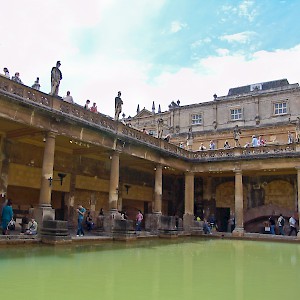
(158, 269)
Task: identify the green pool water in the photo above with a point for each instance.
(186, 268)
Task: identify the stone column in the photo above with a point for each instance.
(239, 204)
(188, 216)
(153, 221)
(298, 196)
(45, 211)
(4, 166)
(158, 190)
(114, 183)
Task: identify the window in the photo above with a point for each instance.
(236, 114)
(280, 108)
(197, 119)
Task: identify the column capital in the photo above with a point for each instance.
(50, 134)
(237, 171)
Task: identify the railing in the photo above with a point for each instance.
(78, 112)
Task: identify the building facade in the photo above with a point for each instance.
(113, 166)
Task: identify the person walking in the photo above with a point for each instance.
(7, 214)
(292, 223)
(81, 211)
(139, 219)
(280, 223)
(272, 225)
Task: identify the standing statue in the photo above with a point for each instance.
(236, 136)
(297, 130)
(56, 77)
(160, 124)
(118, 106)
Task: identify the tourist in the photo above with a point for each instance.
(36, 84)
(272, 225)
(202, 147)
(101, 212)
(32, 227)
(139, 219)
(94, 108)
(118, 106)
(89, 221)
(124, 215)
(81, 211)
(236, 136)
(247, 145)
(68, 98)
(17, 78)
(254, 141)
(226, 145)
(145, 131)
(280, 223)
(87, 105)
(292, 223)
(212, 145)
(56, 77)
(206, 227)
(24, 224)
(6, 216)
(6, 72)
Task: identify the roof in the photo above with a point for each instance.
(258, 86)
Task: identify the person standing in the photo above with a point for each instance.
(292, 223)
(280, 223)
(56, 77)
(36, 84)
(272, 225)
(94, 108)
(68, 98)
(17, 78)
(7, 214)
(81, 211)
(139, 219)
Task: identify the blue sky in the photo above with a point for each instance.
(151, 50)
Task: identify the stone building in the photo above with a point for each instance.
(269, 109)
(56, 155)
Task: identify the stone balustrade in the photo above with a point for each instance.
(76, 111)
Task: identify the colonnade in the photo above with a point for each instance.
(45, 210)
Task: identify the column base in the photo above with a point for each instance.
(188, 222)
(43, 213)
(152, 222)
(238, 231)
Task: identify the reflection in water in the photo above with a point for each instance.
(188, 268)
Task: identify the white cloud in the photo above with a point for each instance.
(247, 10)
(177, 26)
(241, 37)
(222, 51)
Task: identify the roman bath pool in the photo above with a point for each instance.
(185, 268)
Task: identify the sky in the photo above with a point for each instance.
(150, 50)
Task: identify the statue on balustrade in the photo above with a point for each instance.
(236, 136)
(160, 124)
(118, 106)
(56, 77)
(297, 130)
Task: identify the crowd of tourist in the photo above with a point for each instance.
(270, 226)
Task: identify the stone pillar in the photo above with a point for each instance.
(45, 211)
(298, 196)
(158, 190)
(239, 204)
(114, 183)
(188, 216)
(4, 166)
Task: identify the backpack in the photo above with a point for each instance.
(282, 222)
